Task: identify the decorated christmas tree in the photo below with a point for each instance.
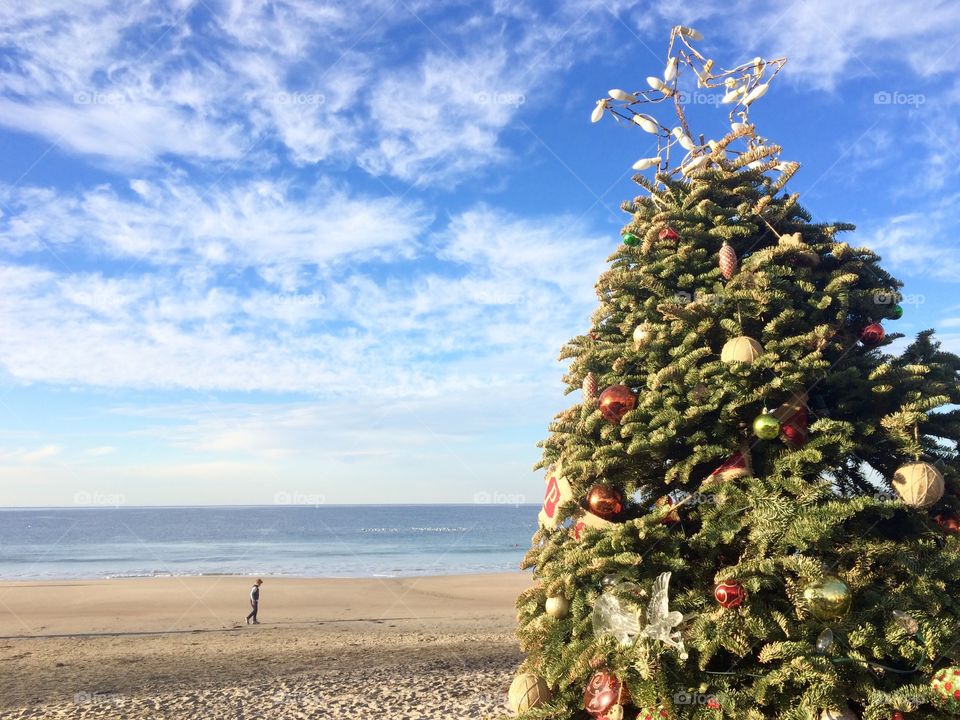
(751, 512)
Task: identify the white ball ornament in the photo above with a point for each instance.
(527, 691)
(918, 484)
(642, 335)
(741, 350)
(558, 606)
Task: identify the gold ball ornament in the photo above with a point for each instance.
(527, 691)
(828, 599)
(741, 350)
(558, 606)
(804, 255)
(918, 484)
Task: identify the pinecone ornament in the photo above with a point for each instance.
(728, 261)
(590, 389)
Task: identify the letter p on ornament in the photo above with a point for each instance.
(558, 492)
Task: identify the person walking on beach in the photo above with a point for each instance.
(254, 602)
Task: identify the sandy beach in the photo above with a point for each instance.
(407, 649)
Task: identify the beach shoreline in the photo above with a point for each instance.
(414, 647)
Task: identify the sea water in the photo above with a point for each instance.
(306, 541)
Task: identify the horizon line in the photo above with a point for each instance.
(271, 505)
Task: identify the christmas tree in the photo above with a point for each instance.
(752, 511)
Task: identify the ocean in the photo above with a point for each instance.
(305, 541)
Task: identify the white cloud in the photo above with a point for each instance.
(919, 242)
(827, 41)
(263, 223)
(31, 457)
(502, 295)
(101, 451)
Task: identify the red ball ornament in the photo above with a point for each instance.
(603, 692)
(729, 594)
(896, 715)
(795, 425)
(605, 501)
(948, 522)
(872, 335)
(668, 233)
(615, 402)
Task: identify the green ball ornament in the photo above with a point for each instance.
(630, 239)
(828, 599)
(766, 427)
(896, 312)
(946, 686)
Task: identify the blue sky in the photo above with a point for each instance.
(261, 250)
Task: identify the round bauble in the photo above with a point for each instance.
(558, 606)
(948, 522)
(766, 427)
(668, 233)
(802, 254)
(825, 641)
(741, 350)
(918, 484)
(642, 335)
(729, 594)
(828, 599)
(609, 581)
(630, 239)
(527, 691)
(605, 501)
(896, 312)
(946, 686)
(844, 714)
(872, 335)
(615, 402)
(603, 691)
